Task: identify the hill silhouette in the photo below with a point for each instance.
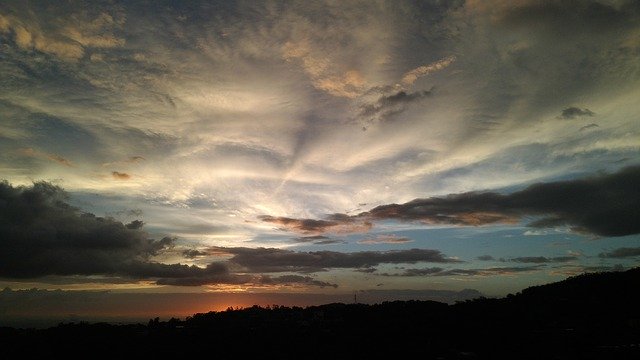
(590, 316)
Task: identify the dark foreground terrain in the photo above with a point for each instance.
(592, 316)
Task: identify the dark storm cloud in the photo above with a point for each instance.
(574, 112)
(41, 234)
(280, 260)
(621, 253)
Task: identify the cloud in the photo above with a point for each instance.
(317, 240)
(574, 112)
(543, 260)
(295, 279)
(193, 253)
(590, 126)
(603, 205)
(120, 176)
(436, 271)
(385, 239)
(410, 77)
(485, 258)
(67, 37)
(335, 224)
(621, 253)
(279, 260)
(323, 71)
(42, 235)
(386, 106)
(30, 152)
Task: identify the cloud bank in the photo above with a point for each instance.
(604, 205)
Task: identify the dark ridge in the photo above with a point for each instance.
(590, 316)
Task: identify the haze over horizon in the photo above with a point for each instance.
(249, 152)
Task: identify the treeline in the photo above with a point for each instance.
(591, 316)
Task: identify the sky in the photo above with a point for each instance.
(222, 153)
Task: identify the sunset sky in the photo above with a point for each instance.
(221, 153)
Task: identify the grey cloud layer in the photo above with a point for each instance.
(621, 253)
(438, 271)
(279, 260)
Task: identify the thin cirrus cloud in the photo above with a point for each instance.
(410, 77)
(30, 152)
(317, 240)
(604, 205)
(385, 239)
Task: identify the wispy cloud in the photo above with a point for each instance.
(317, 240)
(30, 152)
(385, 239)
(67, 39)
(410, 77)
